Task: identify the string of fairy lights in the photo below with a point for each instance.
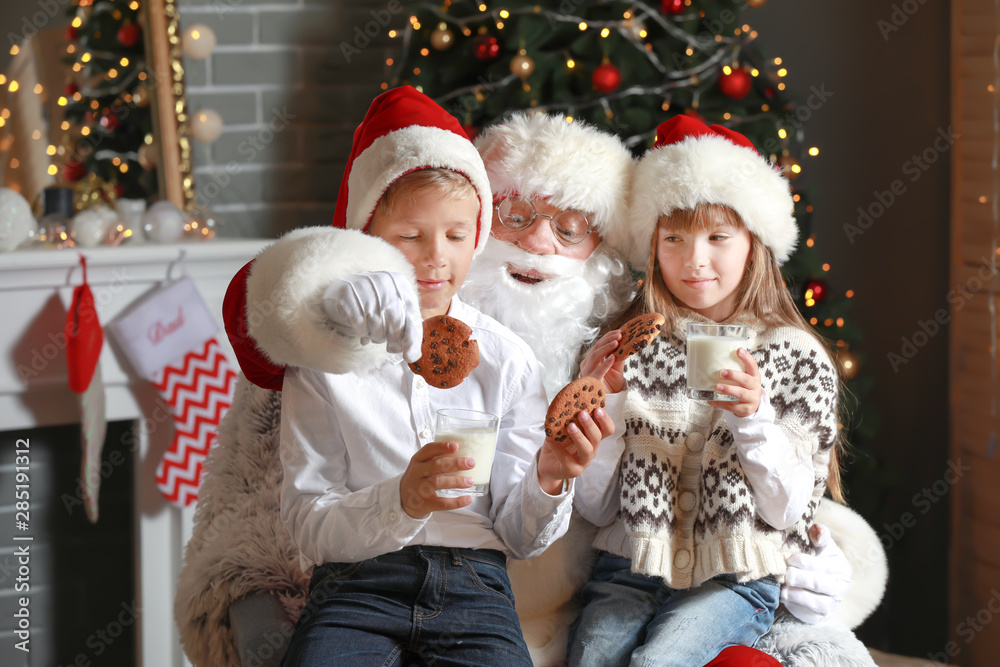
(719, 59)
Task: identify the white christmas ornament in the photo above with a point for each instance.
(198, 41)
(90, 226)
(163, 223)
(206, 126)
(17, 223)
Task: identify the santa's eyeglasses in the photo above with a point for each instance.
(517, 213)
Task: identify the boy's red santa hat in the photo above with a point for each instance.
(572, 165)
(692, 164)
(405, 131)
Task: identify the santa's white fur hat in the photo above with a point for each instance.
(405, 131)
(692, 164)
(572, 165)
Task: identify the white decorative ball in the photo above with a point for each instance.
(90, 226)
(198, 41)
(206, 126)
(17, 223)
(163, 222)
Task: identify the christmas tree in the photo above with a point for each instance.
(626, 67)
(109, 123)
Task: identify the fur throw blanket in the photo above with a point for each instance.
(239, 548)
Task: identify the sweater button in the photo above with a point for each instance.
(682, 559)
(687, 501)
(695, 442)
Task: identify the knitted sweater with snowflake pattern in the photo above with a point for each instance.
(686, 507)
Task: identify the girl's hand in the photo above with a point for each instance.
(557, 462)
(746, 389)
(434, 467)
(601, 364)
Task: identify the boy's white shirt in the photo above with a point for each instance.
(347, 439)
(782, 485)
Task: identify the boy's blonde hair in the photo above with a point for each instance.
(762, 294)
(446, 182)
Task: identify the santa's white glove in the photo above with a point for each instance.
(816, 583)
(377, 307)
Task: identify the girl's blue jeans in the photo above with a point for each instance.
(633, 619)
(418, 606)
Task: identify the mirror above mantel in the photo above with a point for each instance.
(95, 100)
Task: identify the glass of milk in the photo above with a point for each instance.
(711, 348)
(476, 435)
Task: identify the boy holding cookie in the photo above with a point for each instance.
(403, 575)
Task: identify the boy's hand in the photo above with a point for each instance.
(747, 389)
(557, 462)
(378, 307)
(600, 363)
(434, 467)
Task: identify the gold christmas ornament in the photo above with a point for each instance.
(147, 156)
(522, 65)
(442, 38)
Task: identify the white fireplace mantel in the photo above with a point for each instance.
(36, 288)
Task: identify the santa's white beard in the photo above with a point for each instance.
(556, 317)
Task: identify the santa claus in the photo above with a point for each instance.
(551, 275)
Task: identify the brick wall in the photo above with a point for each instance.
(289, 99)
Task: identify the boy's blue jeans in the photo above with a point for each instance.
(418, 606)
(633, 619)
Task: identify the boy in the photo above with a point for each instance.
(402, 574)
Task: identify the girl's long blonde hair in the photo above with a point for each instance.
(762, 295)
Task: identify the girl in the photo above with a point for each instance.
(701, 504)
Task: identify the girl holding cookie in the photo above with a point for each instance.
(704, 505)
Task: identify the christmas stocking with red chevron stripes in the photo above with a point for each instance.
(170, 340)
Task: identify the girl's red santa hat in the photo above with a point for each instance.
(405, 131)
(692, 163)
(568, 163)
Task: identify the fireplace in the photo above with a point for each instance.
(94, 594)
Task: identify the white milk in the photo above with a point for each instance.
(707, 355)
(480, 444)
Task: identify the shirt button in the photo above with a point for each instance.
(420, 382)
(426, 434)
(687, 501)
(392, 516)
(682, 559)
(695, 442)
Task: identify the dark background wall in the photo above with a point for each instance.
(890, 101)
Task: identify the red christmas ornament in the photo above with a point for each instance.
(129, 34)
(70, 89)
(486, 47)
(110, 122)
(818, 289)
(736, 84)
(119, 190)
(606, 78)
(471, 131)
(672, 7)
(71, 34)
(73, 171)
(769, 92)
